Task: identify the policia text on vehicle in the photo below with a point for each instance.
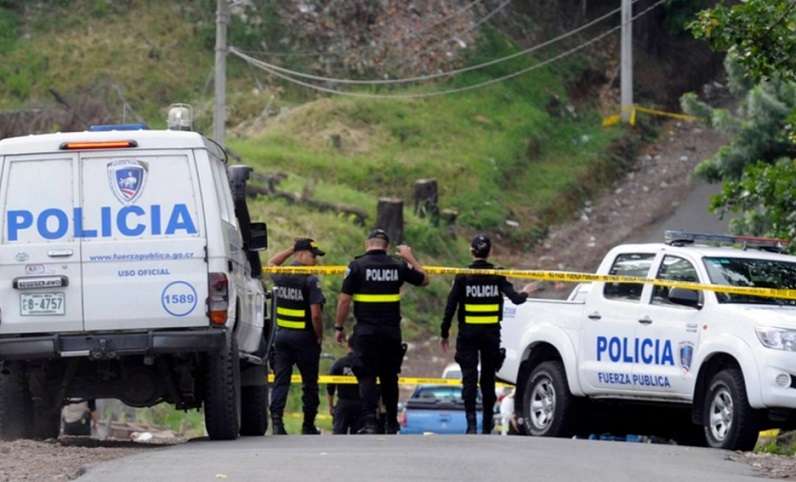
(299, 302)
(373, 282)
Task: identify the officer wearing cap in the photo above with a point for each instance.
(299, 302)
(479, 302)
(373, 282)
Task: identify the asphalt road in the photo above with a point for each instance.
(439, 458)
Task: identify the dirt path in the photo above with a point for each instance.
(661, 180)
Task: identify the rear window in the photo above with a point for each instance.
(632, 264)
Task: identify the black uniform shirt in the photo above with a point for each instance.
(295, 294)
(374, 281)
(479, 298)
(345, 391)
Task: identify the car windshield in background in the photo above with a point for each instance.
(755, 273)
(441, 393)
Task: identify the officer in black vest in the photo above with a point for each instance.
(299, 302)
(347, 412)
(373, 282)
(479, 301)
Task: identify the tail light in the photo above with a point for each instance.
(217, 298)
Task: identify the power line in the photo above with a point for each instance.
(258, 63)
(267, 68)
(439, 74)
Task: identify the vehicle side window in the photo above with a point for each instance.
(632, 264)
(222, 187)
(675, 269)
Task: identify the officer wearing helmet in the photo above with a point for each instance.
(299, 303)
(478, 299)
(373, 282)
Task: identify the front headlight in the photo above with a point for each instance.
(777, 338)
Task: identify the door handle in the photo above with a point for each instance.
(645, 321)
(595, 316)
(59, 253)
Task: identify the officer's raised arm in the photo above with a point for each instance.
(508, 289)
(279, 258)
(405, 252)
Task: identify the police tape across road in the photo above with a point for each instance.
(352, 380)
(559, 276)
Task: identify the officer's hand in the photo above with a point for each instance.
(405, 251)
(444, 344)
(331, 410)
(340, 337)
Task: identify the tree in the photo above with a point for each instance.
(760, 33)
(757, 167)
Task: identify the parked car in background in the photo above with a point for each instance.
(436, 409)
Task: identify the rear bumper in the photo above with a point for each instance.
(103, 346)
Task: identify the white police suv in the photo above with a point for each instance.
(128, 269)
(704, 367)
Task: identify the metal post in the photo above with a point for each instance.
(220, 101)
(627, 60)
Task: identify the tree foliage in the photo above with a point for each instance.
(760, 33)
(757, 166)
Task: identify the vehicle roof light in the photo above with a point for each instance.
(683, 238)
(69, 146)
(117, 127)
(180, 117)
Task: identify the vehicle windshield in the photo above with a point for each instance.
(747, 272)
(441, 393)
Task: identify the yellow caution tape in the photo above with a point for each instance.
(559, 276)
(613, 120)
(351, 380)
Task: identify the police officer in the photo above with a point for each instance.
(373, 282)
(347, 413)
(299, 302)
(479, 302)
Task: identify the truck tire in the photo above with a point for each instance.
(16, 414)
(46, 422)
(729, 419)
(547, 403)
(254, 410)
(222, 394)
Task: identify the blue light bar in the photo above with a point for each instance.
(117, 127)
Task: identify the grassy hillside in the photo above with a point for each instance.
(499, 153)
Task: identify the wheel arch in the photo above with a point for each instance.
(542, 350)
(712, 364)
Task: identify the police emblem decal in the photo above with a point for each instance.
(127, 179)
(686, 355)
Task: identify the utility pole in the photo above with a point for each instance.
(220, 83)
(627, 60)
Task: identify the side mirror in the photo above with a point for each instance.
(684, 297)
(258, 237)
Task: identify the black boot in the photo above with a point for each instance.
(308, 427)
(369, 427)
(488, 425)
(472, 424)
(277, 427)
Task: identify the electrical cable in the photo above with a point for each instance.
(266, 67)
(437, 75)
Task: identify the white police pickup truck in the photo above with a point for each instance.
(711, 368)
(128, 269)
